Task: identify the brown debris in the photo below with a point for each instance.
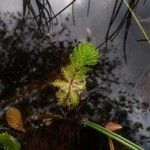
(14, 119)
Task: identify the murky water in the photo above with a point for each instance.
(80, 26)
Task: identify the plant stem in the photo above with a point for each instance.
(138, 22)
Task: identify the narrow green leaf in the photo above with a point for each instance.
(113, 136)
(138, 22)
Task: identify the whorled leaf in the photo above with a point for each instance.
(85, 54)
(74, 74)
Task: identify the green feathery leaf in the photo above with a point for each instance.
(74, 74)
(85, 54)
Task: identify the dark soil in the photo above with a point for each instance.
(65, 135)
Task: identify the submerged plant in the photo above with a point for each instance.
(73, 83)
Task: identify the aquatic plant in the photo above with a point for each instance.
(73, 83)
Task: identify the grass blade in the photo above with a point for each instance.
(137, 21)
(113, 136)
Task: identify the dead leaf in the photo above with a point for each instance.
(111, 126)
(14, 119)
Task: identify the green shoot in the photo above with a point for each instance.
(73, 83)
(113, 135)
